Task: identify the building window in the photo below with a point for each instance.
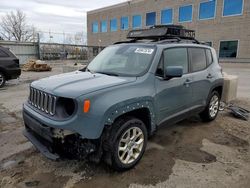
(207, 10)
(104, 26)
(167, 16)
(186, 13)
(228, 49)
(113, 25)
(124, 23)
(136, 21)
(95, 27)
(150, 18)
(232, 7)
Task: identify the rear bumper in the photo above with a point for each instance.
(13, 73)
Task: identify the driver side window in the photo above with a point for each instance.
(176, 57)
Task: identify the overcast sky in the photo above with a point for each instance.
(56, 15)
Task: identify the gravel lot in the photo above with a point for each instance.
(188, 154)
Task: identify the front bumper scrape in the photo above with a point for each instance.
(41, 147)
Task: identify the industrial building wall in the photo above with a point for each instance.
(23, 50)
(215, 30)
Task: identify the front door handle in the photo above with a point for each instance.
(209, 76)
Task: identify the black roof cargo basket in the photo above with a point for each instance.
(162, 32)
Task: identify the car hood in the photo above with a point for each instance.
(75, 84)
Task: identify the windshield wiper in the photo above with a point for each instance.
(108, 73)
(89, 70)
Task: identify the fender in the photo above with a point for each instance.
(216, 83)
(128, 106)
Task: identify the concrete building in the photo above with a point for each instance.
(225, 24)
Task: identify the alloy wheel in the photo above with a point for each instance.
(214, 106)
(130, 145)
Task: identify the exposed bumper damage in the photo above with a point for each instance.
(56, 143)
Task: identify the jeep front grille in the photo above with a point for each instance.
(43, 101)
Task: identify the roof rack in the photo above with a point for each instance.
(162, 32)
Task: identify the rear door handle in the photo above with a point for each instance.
(209, 76)
(187, 82)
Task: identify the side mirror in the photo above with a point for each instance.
(173, 71)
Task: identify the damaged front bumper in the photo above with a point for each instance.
(55, 143)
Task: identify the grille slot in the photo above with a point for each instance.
(43, 101)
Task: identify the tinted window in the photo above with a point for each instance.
(104, 26)
(185, 13)
(136, 21)
(113, 25)
(167, 16)
(150, 18)
(124, 23)
(3, 54)
(228, 49)
(232, 7)
(95, 27)
(176, 57)
(198, 59)
(207, 9)
(209, 57)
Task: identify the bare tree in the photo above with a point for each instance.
(14, 27)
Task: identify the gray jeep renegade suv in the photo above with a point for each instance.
(107, 111)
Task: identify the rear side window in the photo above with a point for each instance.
(176, 57)
(209, 57)
(3, 54)
(198, 59)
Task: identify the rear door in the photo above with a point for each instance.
(201, 77)
(173, 95)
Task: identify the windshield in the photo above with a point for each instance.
(123, 60)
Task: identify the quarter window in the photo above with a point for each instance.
(228, 49)
(209, 57)
(198, 59)
(186, 13)
(95, 27)
(207, 10)
(103, 26)
(136, 21)
(232, 7)
(176, 57)
(3, 54)
(167, 16)
(113, 25)
(150, 18)
(124, 23)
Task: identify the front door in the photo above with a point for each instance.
(174, 95)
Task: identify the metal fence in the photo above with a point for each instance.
(51, 51)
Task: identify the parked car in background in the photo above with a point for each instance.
(109, 110)
(9, 66)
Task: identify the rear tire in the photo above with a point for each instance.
(212, 108)
(2, 79)
(126, 143)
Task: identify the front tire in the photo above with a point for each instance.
(2, 79)
(127, 143)
(212, 108)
